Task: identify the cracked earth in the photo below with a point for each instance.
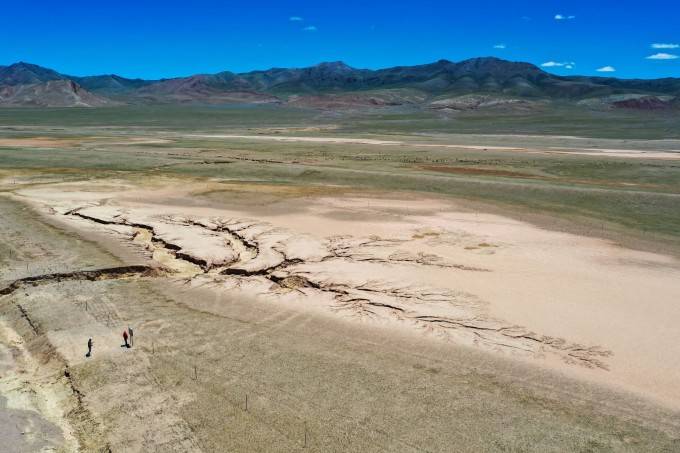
(396, 269)
(349, 274)
(422, 268)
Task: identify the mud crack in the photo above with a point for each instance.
(258, 252)
(375, 299)
(365, 250)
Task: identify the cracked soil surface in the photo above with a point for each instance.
(326, 286)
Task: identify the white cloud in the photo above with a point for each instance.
(662, 56)
(607, 69)
(310, 28)
(295, 19)
(564, 17)
(500, 46)
(559, 64)
(665, 46)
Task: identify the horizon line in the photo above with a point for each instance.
(331, 62)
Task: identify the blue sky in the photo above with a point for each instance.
(152, 39)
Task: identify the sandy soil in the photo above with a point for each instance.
(349, 323)
(595, 152)
(585, 307)
(31, 401)
(627, 153)
(358, 141)
(355, 141)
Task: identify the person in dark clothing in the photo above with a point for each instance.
(130, 333)
(89, 348)
(125, 339)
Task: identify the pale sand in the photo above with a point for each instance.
(33, 403)
(594, 152)
(475, 147)
(358, 141)
(626, 153)
(354, 141)
(475, 279)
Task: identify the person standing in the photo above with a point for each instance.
(132, 343)
(89, 347)
(125, 338)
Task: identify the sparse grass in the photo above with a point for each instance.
(629, 196)
(155, 117)
(552, 119)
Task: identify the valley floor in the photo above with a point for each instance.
(279, 316)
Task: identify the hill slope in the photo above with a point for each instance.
(337, 85)
(110, 84)
(25, 73)
(55, 93)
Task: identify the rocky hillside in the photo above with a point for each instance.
(26, 74)
(55, 93)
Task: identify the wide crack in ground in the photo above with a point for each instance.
(91, 275)
(230, 253)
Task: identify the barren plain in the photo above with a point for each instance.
(305, 283)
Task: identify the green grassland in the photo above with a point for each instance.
(552, 119)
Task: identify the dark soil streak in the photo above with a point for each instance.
(28, 319)
(89, 275)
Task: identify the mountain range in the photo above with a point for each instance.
(443, 85)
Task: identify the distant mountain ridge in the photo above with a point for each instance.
(336, 83)
(110, 84)
(25, 73)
